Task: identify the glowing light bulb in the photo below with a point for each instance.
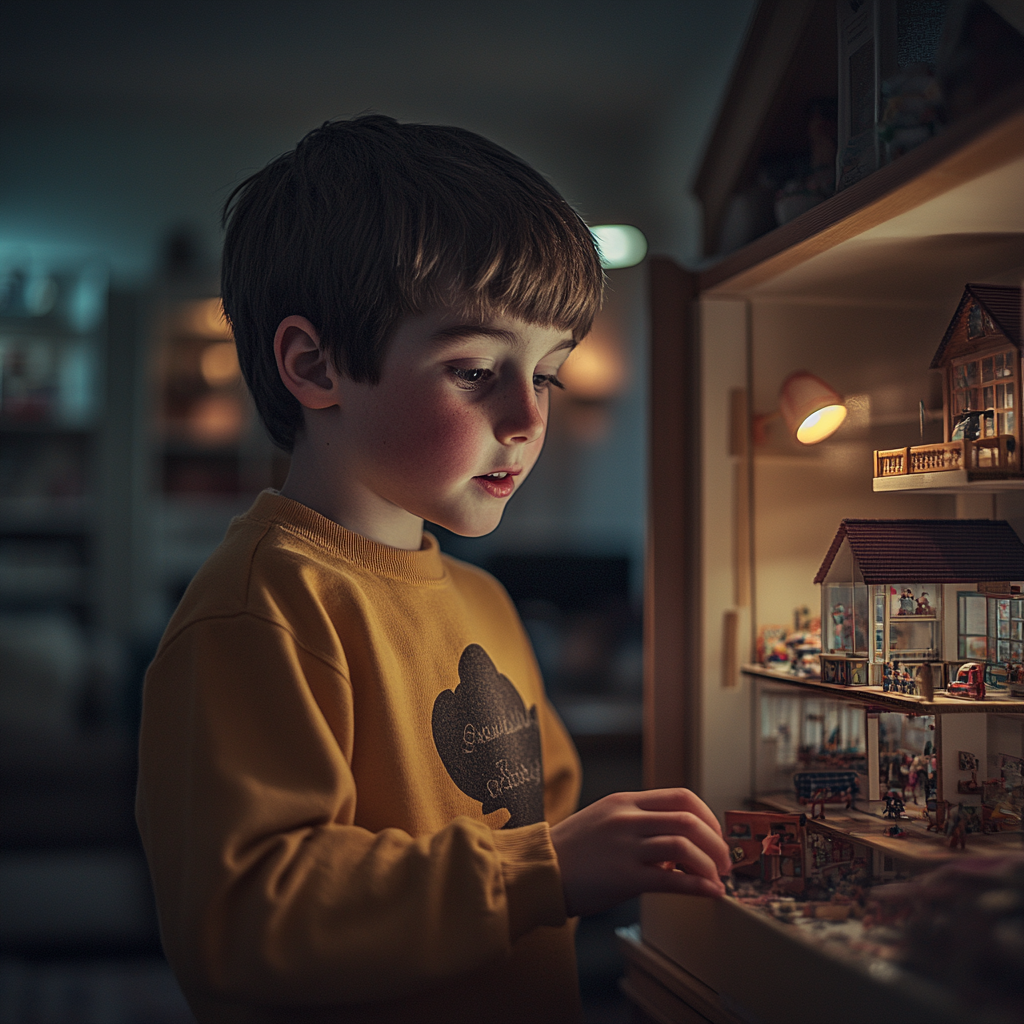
(620, 245)
(821, 424)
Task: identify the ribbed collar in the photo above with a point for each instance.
(423, 566)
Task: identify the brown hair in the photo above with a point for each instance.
(368, 220)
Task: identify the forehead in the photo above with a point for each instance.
(439, 330)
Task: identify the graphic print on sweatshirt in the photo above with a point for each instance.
(489, 742)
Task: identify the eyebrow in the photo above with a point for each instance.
(456, 331)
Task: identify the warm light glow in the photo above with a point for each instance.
(219, 363)
(206, 317)
(821, 424)
(811, 408)
(216, 419)
(594, 372)
(621, 245)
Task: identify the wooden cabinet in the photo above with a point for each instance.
(858, 290)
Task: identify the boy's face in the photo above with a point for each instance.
(455, 424)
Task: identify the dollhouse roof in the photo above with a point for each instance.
(930, 550)
(1001, 302)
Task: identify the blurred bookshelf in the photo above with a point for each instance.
(211, 455)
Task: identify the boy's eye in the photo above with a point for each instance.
(470, 376)
(546, 380)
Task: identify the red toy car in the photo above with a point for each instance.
(969, 682)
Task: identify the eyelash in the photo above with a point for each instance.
(540, 380)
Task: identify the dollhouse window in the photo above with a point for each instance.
(990, 628)
(995, 402)
(914, 618)
(972, 627)
(847, 619)
(878, 647)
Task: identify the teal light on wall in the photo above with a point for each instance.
(621, 245)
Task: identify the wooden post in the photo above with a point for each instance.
(672, 578)
(906, 461)
(874, 782)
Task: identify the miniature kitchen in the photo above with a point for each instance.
(835, 633)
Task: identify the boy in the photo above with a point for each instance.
(355, 799)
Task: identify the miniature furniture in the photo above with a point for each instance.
(979, 356)
(859, 291)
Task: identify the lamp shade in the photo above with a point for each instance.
(812, 410)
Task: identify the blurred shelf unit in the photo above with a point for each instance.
(212, 455)
(52, 350)
(857, 290)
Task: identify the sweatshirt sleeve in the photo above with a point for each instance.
(266, 890)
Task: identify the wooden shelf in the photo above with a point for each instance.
(874, 696)
(952, 481)
(920, 846)
(987, 140)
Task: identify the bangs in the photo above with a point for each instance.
(542, 270)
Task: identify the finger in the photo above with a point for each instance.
(679, 881)
(694, 828)
(680, 852)
(677, 800)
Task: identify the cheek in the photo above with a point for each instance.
(434, 434)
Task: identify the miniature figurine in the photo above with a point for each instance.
(771, 852)
(894, 806)
(935, 811)
(956, 828)
(923, 605)
(838, 619)
(1015, 679)
(895, 832)
(917, 772)
(888, 678)
(907, 603)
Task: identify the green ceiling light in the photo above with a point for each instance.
(620, 245)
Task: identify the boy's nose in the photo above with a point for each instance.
(521, 420)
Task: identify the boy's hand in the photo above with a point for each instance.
(629, 843)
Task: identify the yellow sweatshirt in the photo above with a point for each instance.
(347, 772)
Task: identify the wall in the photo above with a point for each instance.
(877, 352)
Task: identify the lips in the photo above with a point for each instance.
(500, 483)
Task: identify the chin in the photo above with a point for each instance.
(469, 529)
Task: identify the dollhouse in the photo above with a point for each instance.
(980, 360)
(927, 594)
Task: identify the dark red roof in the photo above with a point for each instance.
(1003, 305)
(930, 550)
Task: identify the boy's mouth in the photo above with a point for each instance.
(499, 484)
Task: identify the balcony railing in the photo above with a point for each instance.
(987, 455)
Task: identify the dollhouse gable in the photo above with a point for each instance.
(980, 356)
(988, 315)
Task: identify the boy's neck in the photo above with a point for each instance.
(315, 481)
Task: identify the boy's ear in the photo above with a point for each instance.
(305, 368)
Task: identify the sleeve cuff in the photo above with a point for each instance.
(533, 883)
